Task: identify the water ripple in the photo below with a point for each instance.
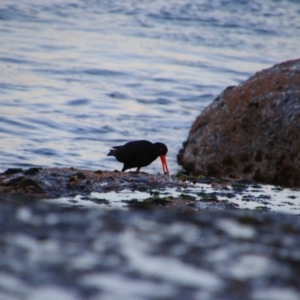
(78, 102)
(102, 72)
(78, 77)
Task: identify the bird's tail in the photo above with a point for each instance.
(112, 151)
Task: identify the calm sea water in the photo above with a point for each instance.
(78, 77)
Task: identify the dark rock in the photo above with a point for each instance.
(252, 130)
(80, 175)
(99, 201)
(31, 171)
(98, 172)
(12, 171)
(73, 179)
(148, 203)
(25, 185)
(15, 181)
(66, 182)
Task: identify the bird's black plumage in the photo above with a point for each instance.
(138, 154)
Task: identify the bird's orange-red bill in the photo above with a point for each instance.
(164, 164)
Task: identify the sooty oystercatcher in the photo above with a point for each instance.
(137, 154)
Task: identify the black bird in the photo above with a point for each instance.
(137, 154)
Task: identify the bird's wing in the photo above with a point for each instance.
(128, 154)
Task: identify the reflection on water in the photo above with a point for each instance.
(78, 77)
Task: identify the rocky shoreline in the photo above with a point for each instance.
(176, 193)
(175, 237)
(51, 251)
(189, 238)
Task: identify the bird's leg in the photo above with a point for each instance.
(138, 170)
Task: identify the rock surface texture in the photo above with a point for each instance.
(252, 130)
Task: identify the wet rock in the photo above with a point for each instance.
(15, 181)
(12, 171)
(173, 193)
(252, 130)
(26, 185)
(64, 182)
(73, 179)
(81, 175)
(148, 203)
(31, 171)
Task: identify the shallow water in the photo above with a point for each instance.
(78, 77)
(50, 252)
(261, 198)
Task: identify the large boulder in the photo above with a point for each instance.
(252, 130)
